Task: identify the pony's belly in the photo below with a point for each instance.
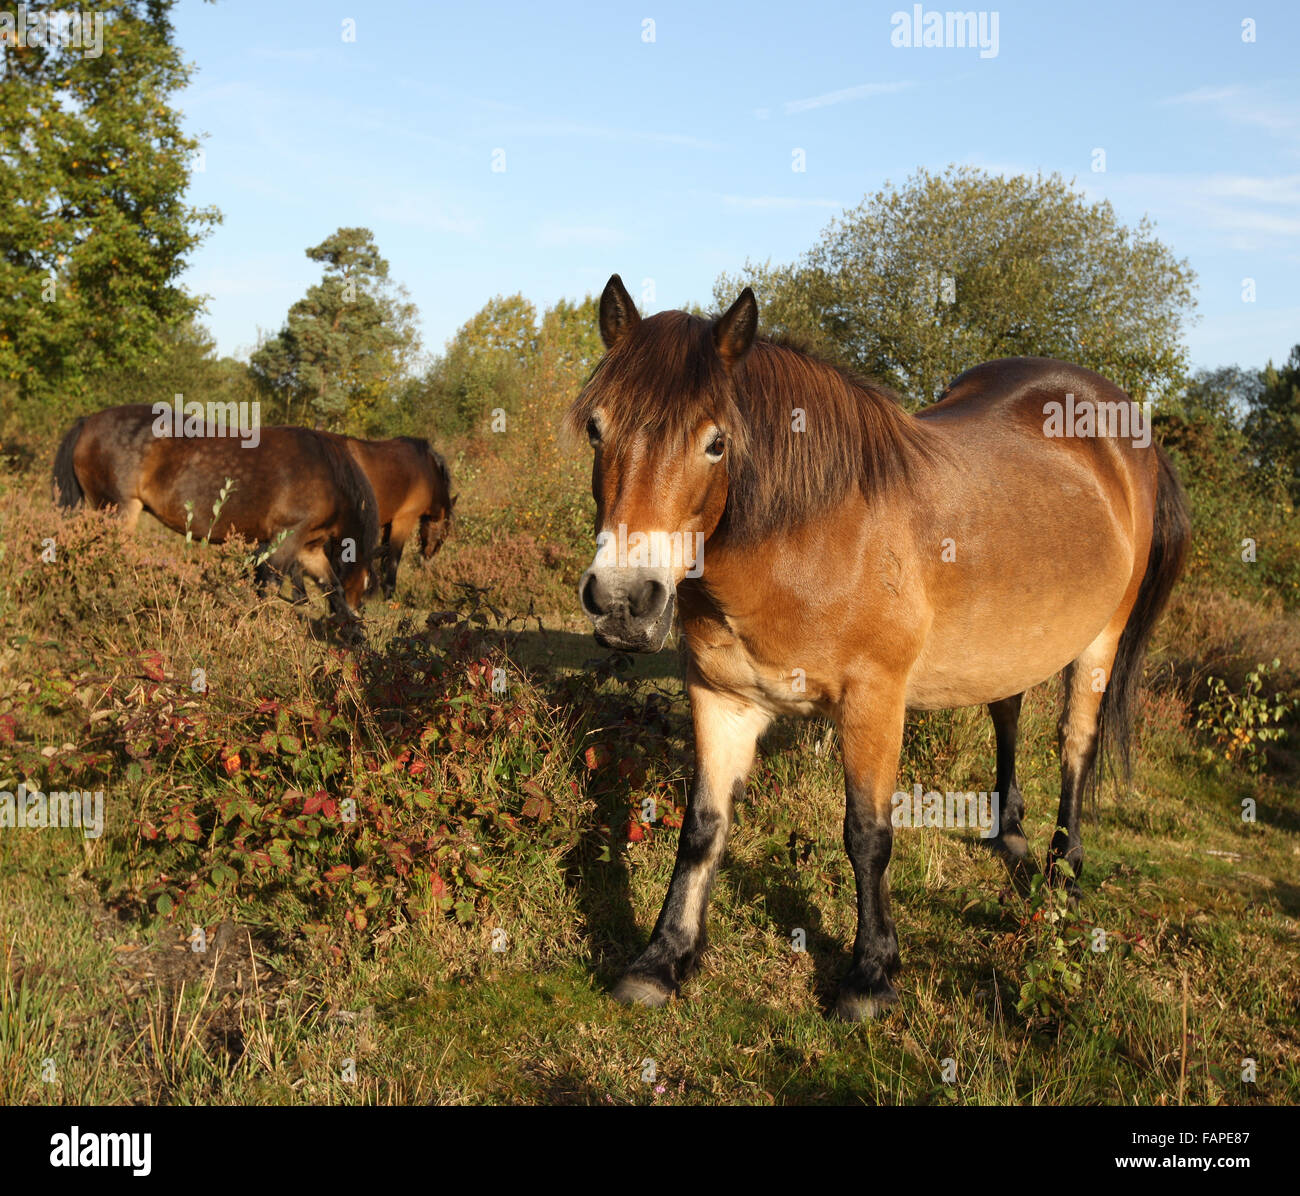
(973, 664)
(943, 689)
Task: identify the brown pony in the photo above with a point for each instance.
(411, 484)
(295, 490)
(829, 554)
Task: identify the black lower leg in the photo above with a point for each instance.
(1067, 841)
(869, 841)
(1010, 842)
(1006, 726)
(679, 937)
(1079, 741)
(391, 561)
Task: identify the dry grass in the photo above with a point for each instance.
(428, 1011)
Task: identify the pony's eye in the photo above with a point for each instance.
(593, 430)
(717, 446)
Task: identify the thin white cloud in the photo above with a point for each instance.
(421, 210)
(778, 201)
(599, 132)
(300, 54)
(1202, 95)
(1221, 335)
(1248, 106)
(1246, 220)
(1283, 189)
(564, 236)
(1241, 210)
(861, 92)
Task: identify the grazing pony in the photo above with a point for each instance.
(296, 490)
(829, 554)
(412, 485)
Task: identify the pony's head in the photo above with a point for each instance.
(358, 579)
(435, 523)
(660, 412)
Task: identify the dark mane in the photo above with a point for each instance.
(665, 377)
(440, 464)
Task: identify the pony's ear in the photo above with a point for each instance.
(618, 314)
(455, 498)
(733, 334)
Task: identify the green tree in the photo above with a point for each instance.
(921, 282)
(1273, 424)
(1239, 500)
(504, 328)
(484, 365)
(570, 334)
(348, 340)
(93, 171)
(1202, 425)
(185, 363)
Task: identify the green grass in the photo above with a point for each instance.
(1201, 910)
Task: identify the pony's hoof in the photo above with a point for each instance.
(1058, 878)
(1013, 850)
(853, 1006)
(641, 990)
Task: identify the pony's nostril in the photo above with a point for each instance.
(648, 599)
(588, 596)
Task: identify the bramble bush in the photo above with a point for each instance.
(1240, 725)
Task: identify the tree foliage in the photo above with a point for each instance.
(921, 282)
(1244, 532)
(484, 364)
(348, 340)
(1273, 425)
(93, 171)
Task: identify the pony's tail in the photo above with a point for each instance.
(1169, 537)
(67, 489)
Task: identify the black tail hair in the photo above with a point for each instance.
(1169, 539)
(67, 489)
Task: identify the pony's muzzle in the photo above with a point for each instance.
(631, 609)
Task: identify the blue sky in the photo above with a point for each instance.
(670, 159)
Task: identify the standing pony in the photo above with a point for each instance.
(297, 490)
(412, 485)
(829, 554)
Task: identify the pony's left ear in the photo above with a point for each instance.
(618, 314)
(734, 332)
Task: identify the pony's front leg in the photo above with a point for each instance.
(129, 513)
(871, 728)
(726, 732)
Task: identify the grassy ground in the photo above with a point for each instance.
(463, 951)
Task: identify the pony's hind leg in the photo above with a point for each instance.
(726, 734)
(1010, 842)
(398, 533)
(1078, 732)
